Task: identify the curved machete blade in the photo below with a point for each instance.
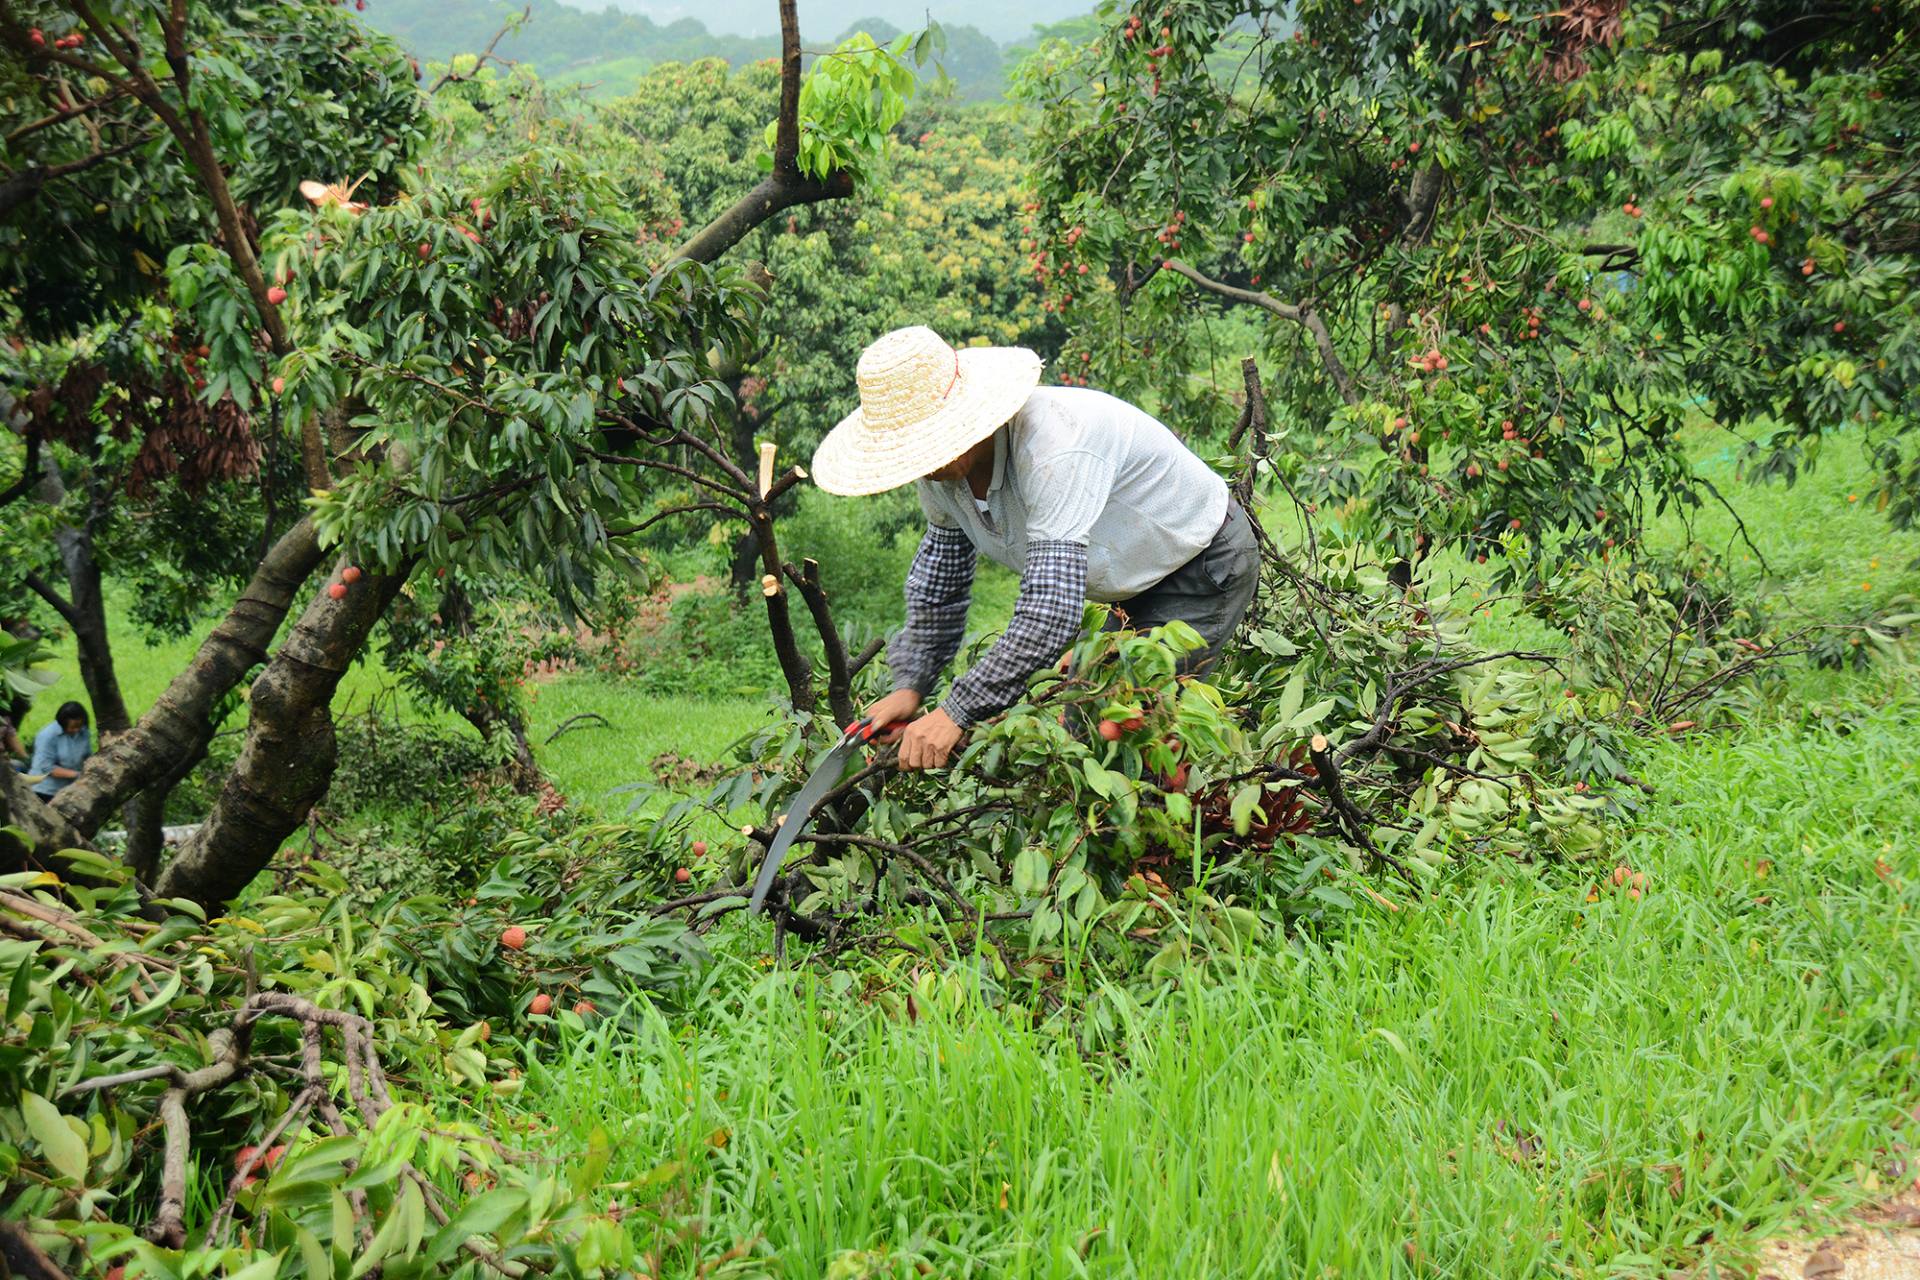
(825, 775)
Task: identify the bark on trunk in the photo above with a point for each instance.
(175, 727)
(147, 813)
(793, 663)
(30, 831)
(839, 668)
(744, 573)
(88, 618)
(82, 608)
(288, 758)
(146, 833)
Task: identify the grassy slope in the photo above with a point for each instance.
(1691, 1070)
(1696, 1062)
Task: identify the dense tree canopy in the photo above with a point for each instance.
(449, 364)
(1520, 249)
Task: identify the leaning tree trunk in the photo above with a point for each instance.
(287, 760)
(30, 831)
(177, 726)
(86, 613)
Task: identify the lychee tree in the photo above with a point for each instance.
(142, 453)
(1518, 250)
(492, 368)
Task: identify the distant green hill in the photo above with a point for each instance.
(610, 48)
(1000, 20)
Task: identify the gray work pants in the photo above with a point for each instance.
(1210, 592)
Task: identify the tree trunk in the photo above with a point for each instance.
(82, 608)
(743, 572)
(288, 758)
(793, 663)
(175, 727)
(30, 831)
(147, 813)
(86, 613)
(487, 723)
(146, 832)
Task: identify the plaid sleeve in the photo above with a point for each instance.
(1046, 620)
(939, 589)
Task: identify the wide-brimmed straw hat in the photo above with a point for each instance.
(922, 404)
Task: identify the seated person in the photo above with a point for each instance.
(59, 749)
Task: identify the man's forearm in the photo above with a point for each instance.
(939, 593)
(1046, 620)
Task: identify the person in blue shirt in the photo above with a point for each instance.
(59, 749)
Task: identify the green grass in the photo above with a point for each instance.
(1691, 1068)
(589, 760)
(1726, 1058)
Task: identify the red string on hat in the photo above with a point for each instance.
(955, 379)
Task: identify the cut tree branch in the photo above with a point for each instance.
(1332, 787)
(839, 670)
(786, 187)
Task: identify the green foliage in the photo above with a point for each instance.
(147, 466)
(699, 126)
(23, 670)
(710, 644)
(400, 1186)
(849, 103)
(1120, 804)
(295, 92)
(1537, 248)
(935, 246)
(864, 548)
(937, 249)
(476, 664)
(418, 786)
(494, 423)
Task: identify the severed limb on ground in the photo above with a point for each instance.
(325, 1073)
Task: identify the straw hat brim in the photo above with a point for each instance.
(993, 382)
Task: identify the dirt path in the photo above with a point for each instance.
(1884, 1244)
